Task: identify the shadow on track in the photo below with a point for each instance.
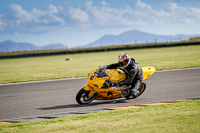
(87, 105)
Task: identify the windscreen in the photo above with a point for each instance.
(99, 73)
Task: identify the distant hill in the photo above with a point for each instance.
(136, 37)
(129, 37)
(54, 46)
(10, 46)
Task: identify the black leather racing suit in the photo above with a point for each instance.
(133, 72)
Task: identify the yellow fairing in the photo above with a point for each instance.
(148, 72)
(95, 84)
(88, 88)
(116, 75)
(105, 94)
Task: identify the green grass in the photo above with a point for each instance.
(181, 117)
(55, 67)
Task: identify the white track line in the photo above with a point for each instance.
(86, 77)
(179, 69)
(42, 81)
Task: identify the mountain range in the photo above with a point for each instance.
(129, 37)
(10, 46)
(136, 37)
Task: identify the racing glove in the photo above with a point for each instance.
(103, 67)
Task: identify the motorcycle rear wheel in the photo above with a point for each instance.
(83, 96)
(141, 89)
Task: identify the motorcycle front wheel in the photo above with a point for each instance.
(84, 97)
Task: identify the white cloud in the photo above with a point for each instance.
(172, 6)
(142, 5)
(37, 16)
(103, 14)
(52, 9)
(140, 14)
(78, 14)
(178, 14)
(20, 14)
(98, 14)
(29, 21)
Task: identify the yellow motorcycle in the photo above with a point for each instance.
(98, 87)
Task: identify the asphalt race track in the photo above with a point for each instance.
(51, 97)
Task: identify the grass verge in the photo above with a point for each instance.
(55, 67)
(181, 117)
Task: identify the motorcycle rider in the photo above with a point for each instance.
(133, 71)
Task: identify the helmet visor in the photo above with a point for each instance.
(122, 64)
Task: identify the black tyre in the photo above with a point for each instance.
(140, 91)
(83, 97)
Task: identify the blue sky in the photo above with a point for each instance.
(78, 22)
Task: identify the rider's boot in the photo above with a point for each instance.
(134, 89)
(133, 94)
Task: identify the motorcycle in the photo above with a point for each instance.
(98, 87)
